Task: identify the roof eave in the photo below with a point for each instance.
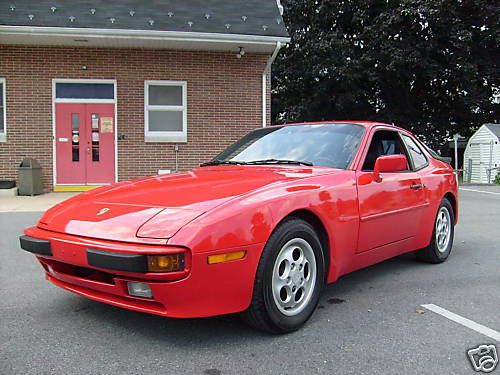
(151, 35)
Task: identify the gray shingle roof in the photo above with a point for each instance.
(247, 17)
(495, 128)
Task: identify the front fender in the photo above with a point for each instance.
(251, 219)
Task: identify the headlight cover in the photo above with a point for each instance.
(166, 223)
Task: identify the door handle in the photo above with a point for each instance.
(416, 186)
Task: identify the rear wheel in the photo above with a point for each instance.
(441, 243)
(289, 279)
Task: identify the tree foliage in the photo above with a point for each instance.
(428, 66)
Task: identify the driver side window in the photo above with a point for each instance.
(384, 142)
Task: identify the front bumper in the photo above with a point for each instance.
(199, 290)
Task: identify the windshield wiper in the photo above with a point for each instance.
(222, 162)
(279, 161)
(256, 162)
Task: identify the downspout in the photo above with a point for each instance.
(264, 82)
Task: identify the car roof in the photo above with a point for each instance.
(366, 124)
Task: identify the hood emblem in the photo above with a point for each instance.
(102, 211)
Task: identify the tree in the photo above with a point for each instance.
(428, 66)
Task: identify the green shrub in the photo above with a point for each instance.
(497, 179)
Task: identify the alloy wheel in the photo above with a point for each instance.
(294, 276)
(443, 229)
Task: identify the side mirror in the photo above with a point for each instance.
(389, 163)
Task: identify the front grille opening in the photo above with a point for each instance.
(81, 272)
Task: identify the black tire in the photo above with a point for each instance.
(431, 253)
(263, 313)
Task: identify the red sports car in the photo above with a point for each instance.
(260, 229)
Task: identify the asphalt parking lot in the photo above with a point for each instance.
(368, 322)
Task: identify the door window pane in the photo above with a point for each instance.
(94, 133)
(75, 136)
(165, 121)
(75, 121)
(383, 143)
(95, 153)
(165, 95)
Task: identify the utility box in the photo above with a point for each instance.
(29, 177)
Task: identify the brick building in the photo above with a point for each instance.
(104, 91)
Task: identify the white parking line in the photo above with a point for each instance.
(480, 191)
(495, 335)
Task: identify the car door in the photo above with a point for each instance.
(390, 210)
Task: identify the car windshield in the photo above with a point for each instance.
(329, 145)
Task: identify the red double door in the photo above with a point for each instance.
(85, 143)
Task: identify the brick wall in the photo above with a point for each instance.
(224, 102)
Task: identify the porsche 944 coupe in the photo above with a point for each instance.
(259, 230)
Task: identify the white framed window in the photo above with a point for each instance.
(3, 111)
(165, 111)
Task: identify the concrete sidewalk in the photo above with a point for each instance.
(30, 204)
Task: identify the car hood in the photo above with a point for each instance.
(157, 207)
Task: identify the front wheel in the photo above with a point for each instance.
(289, 280)
(441, 243)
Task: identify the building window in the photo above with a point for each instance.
(3, 111)
(165, 111)
(85, 90)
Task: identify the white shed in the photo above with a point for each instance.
(482, 155)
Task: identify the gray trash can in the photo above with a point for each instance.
(29, 177)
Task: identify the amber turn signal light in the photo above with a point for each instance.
(165, 263)
(225, 257)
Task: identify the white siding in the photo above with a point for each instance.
(483, 148)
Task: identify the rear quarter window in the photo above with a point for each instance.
(416, 154)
